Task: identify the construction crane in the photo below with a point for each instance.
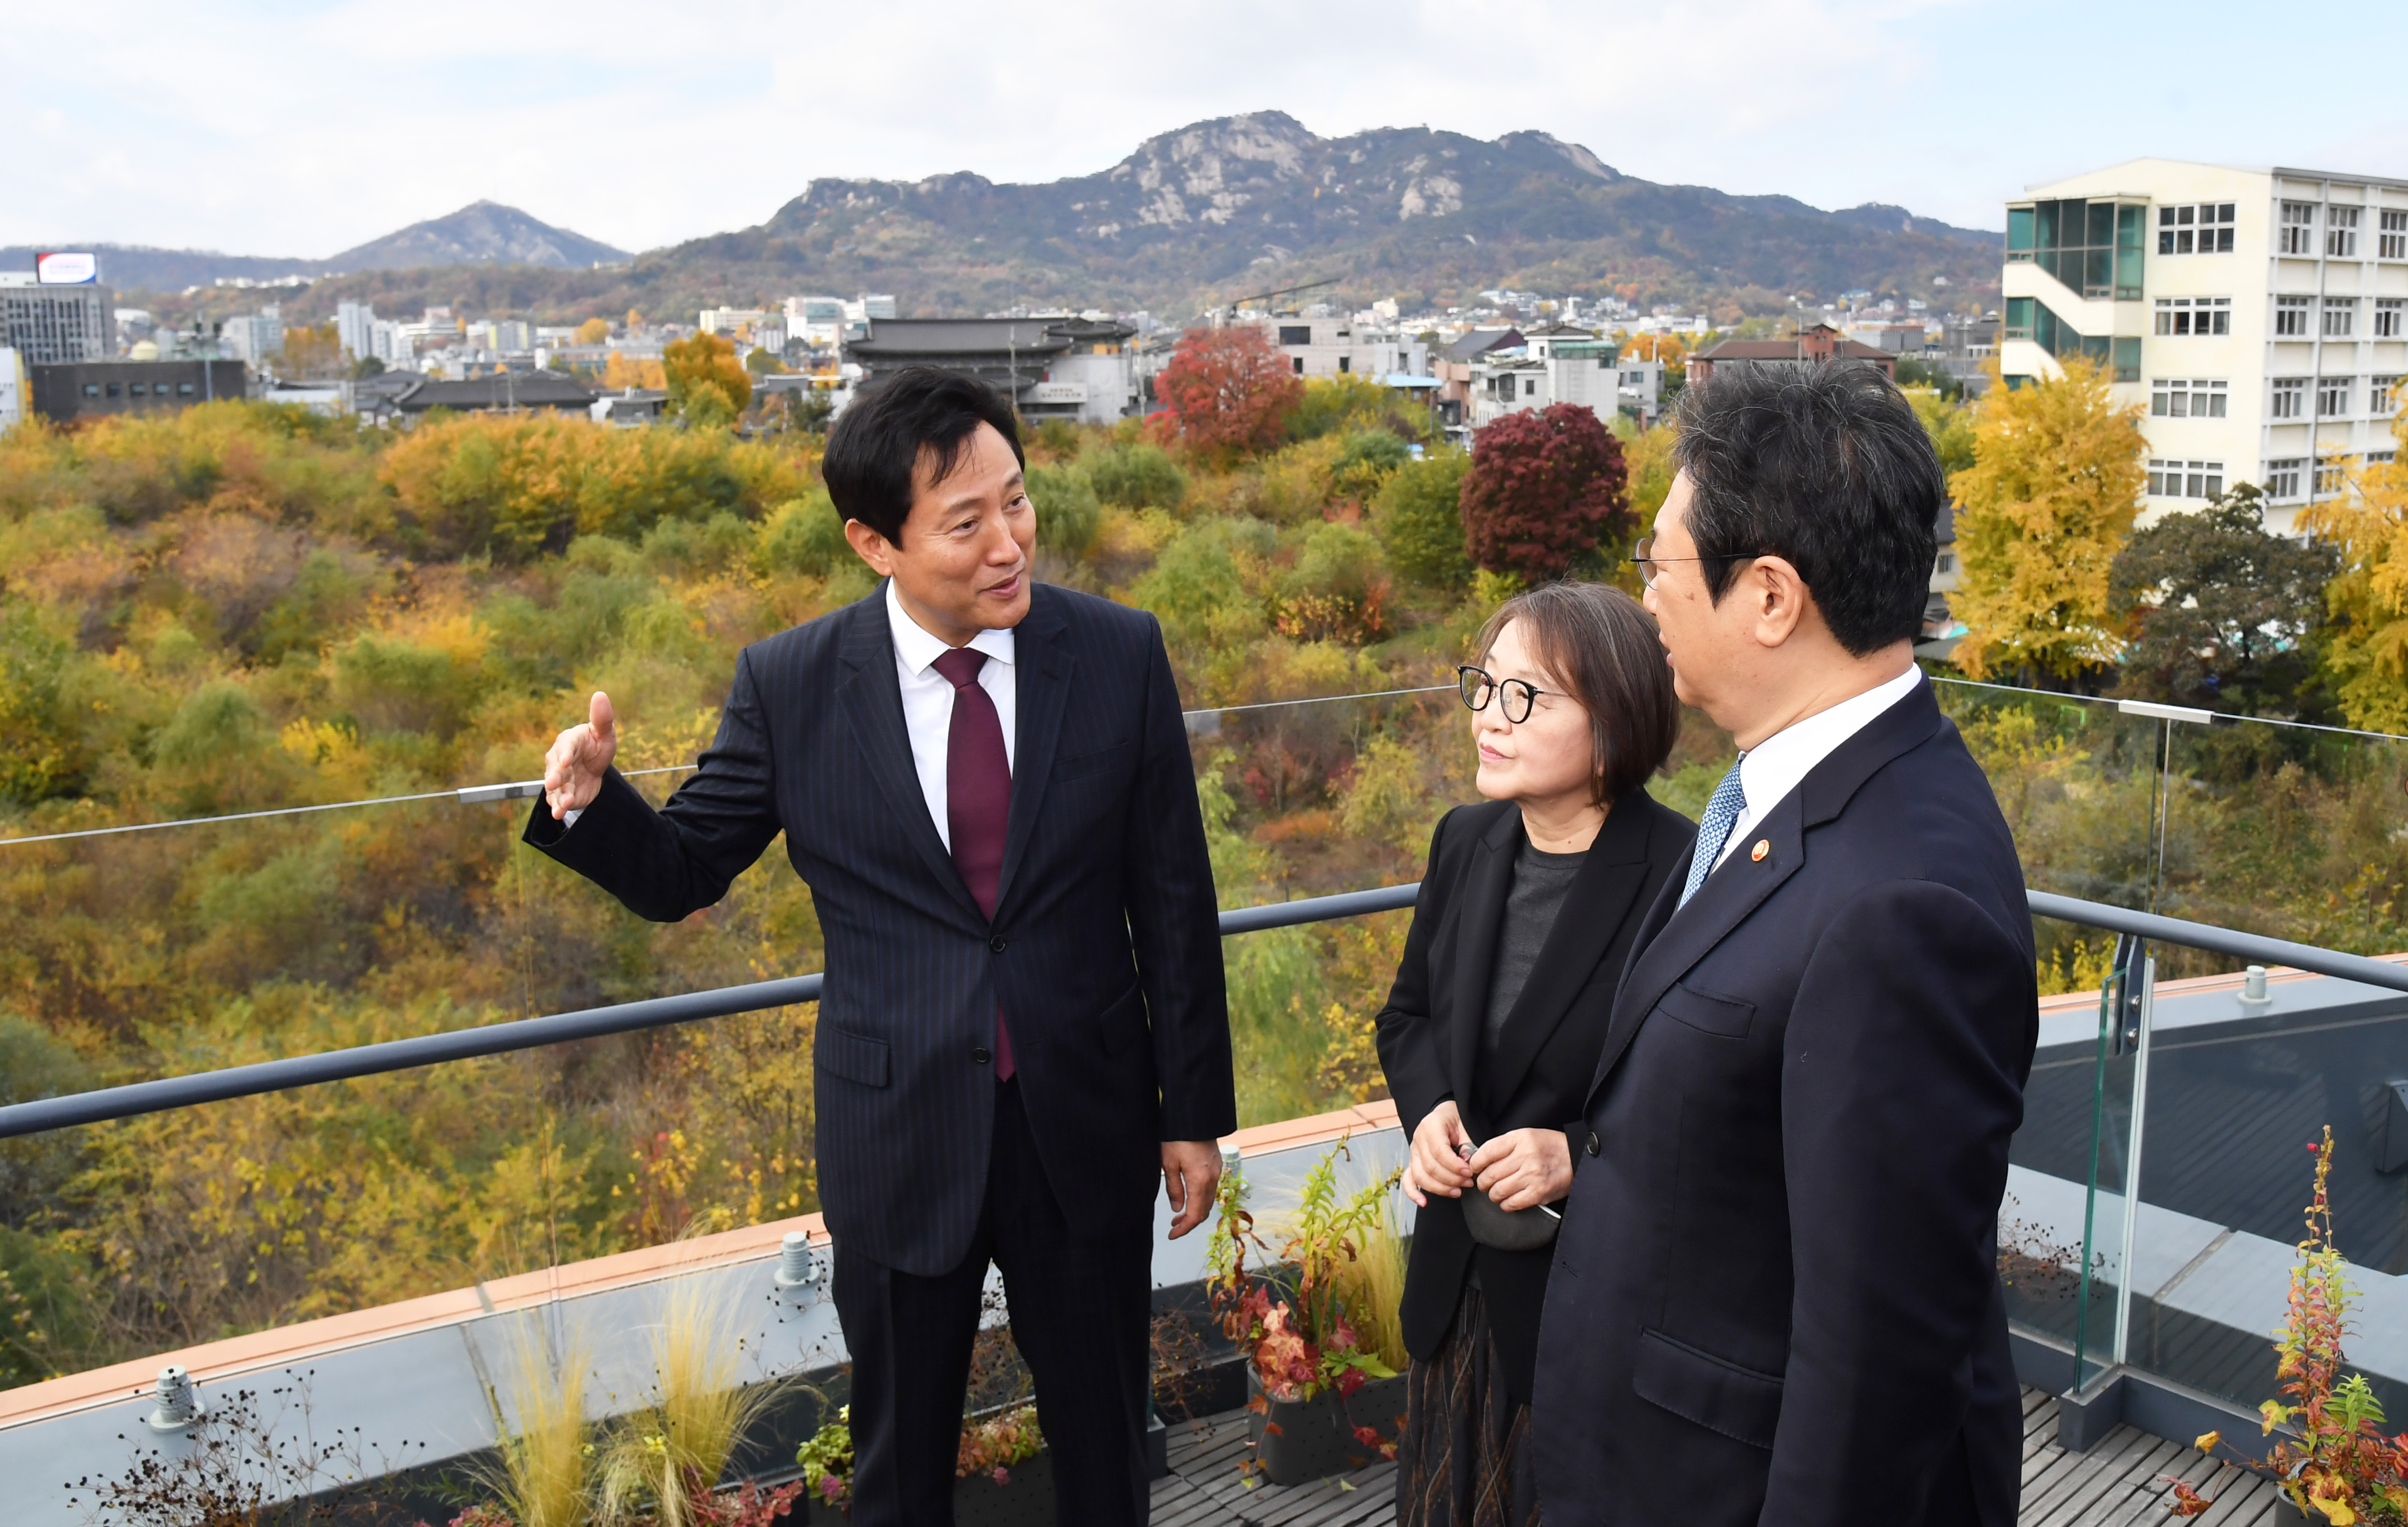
(1229, 308)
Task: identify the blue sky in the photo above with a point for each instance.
(299, 128)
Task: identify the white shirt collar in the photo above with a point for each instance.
(917, 649)
(1774, 766)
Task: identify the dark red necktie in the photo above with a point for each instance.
(978, 800)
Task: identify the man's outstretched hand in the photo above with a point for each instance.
(573, 770)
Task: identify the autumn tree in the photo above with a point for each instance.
(313, 352)
(1546, 487)
(593, 331)
(1227, 391)
(709, 387)
(2053, 487)
(2366, 648)
(2224, 614)
(619, 373)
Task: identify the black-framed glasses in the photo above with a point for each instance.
(1643, 555)
(1514, 696)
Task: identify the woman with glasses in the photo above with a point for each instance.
(1497, 1018)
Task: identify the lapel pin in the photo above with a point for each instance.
(1763, 846)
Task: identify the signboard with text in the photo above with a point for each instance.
(73, 267)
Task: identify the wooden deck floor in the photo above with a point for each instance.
(2115, 1484)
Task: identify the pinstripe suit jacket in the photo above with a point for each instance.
(1104, 948)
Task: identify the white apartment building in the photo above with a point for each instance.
(2259, 316)
(817, 321)
(251, 338)
(1319, 346)
(1555, 364)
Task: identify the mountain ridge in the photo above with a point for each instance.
(1223, 208)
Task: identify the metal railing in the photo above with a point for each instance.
(139, 1098)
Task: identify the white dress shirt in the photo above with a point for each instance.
(928, 700)
(1773, 768)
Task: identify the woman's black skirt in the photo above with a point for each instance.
(1465, 1460)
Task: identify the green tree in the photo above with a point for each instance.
(1948, 423)
(1068, 512)
(40, 752)
(1137, 474)
(1418, 522)
(2053, 487)
(2224, 614)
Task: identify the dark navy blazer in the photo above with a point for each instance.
(1104, 951)
(1776, 1295)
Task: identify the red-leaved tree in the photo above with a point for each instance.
(1227, 391)
(1546, 485)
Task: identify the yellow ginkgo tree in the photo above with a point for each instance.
(2366, 647)
(2052, 493)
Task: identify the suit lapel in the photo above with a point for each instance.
(1043, 674)
(873, 699)
(1596, 905)
(1485, 886)
(1737, 886)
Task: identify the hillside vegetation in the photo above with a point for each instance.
(243, 607)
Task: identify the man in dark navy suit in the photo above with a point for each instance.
(1775, 1296)
(986, 785)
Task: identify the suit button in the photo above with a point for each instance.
(998, 943)
(982, 1058)
(1593, 1146)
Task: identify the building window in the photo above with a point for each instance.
(2204, 229)
(114, 390)
(2332, 397)
(135, 390)
(2381, 395)
(2283, 477)
(2194, 315)
(2381, 458)
(2340, 317)
(2297, 232)
(1295, 334)
(2176, 398)
(2332, 477)
(183, 389)
(2093, 247)
(2185, 479)
(1300, 365)
(91, 389)
(2290, 397)
(2291, 318)
(1946, 562)
(2392, 243)
(1345, 363)
(2390, 321)
(1530, 387)
(2340, 232)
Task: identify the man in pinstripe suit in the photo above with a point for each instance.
(986, 785)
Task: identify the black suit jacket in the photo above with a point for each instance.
(1775, 1297)
(1104, 951)
(1429, 1033)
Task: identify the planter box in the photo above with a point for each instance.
(1316, 1437)
(1028, 1501)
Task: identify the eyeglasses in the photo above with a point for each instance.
(1643, 554)
(1514, 696)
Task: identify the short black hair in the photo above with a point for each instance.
(1823, 464)
(877, 442)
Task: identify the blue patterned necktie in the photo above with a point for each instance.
(1722, 810)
